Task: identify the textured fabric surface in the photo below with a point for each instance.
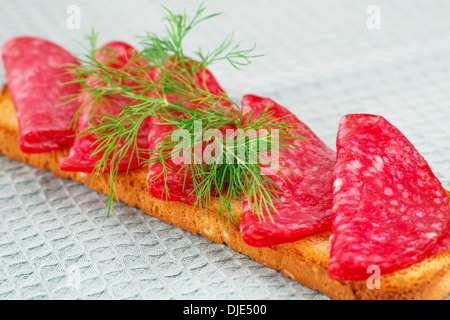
(322, 60)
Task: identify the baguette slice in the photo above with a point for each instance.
(305, 260)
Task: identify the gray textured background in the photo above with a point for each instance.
(321, 61)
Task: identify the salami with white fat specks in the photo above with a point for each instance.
(389, 209)
(81, 158)
(306, 207)
(36, 71)
(177, 184)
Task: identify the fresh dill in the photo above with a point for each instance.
(161, 81)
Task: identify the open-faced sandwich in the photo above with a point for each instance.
(153, 128)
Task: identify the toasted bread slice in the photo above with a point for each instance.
(305, 260)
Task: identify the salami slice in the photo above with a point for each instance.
(81, 159)
(36, 73)
(177, 180)
(306, 208)
(178, 183)
(389, 210)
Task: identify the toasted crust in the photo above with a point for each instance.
(305, 260)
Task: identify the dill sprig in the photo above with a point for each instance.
(160, 82)
(237, 174)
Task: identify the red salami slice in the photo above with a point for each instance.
(178, 190)
(306, 208)
(81, 159)
(36, 71)
(178, 182)
(389, 210)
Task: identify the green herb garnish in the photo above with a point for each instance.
(179, 101)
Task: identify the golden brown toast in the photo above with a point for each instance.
(305, 260)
